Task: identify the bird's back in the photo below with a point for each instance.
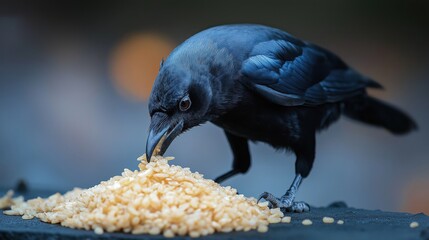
(239, 39)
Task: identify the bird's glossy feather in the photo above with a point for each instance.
(291, 74)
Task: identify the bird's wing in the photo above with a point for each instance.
(292, 74)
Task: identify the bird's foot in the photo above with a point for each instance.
(285, 203)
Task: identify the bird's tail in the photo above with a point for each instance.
(375, 112)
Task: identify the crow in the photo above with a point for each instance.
(260, 83)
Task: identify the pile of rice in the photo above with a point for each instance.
(158, 199)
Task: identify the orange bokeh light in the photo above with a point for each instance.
(135, 63)
(416, 196)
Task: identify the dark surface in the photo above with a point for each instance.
(359, 224)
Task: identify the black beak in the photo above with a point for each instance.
(161, 134)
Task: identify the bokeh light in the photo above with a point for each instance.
(135, 63)
(416, 196)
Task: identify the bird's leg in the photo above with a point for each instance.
(241, 162)
(305, 152)
(226, 175)
(286, 202)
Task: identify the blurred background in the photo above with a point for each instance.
(75, 78)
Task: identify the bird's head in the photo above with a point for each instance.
(187, 92)
(177, 102)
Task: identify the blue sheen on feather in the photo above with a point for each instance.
(290, 74)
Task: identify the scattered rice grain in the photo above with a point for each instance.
(307, 222)
(414, 224)
(286, 219)
(328, 220)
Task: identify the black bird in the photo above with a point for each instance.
(262, 84)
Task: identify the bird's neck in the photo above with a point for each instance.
(226, 95)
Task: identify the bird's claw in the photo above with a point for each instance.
(285, 203)
(273, 202)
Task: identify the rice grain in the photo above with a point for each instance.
(328, 220)
(307, 222)
(158, 199)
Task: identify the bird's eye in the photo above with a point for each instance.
(185, 104)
